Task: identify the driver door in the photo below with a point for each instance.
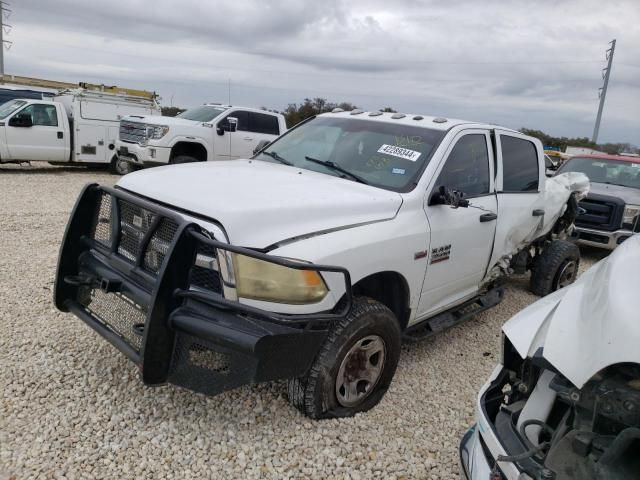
(43, 140)
(461, 238)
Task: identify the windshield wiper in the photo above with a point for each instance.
(334, 166)
(278, 158)
(613, 183)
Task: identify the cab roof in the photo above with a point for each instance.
(411, 119)
(606, 156)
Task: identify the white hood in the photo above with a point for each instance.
(160, 120)
(261, 203)
(590, 325)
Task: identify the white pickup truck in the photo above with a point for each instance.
(76, 126)
(313, 260)
(208, 132)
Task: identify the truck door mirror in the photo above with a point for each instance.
(447, 196)
(21, 120)
(233, 123)
(260, 146)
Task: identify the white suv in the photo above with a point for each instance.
(196, 135)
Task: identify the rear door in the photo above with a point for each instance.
(519, 182)
(461, 238)
(262, 126)
(42, 141)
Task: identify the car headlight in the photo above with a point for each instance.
(259, 280)
(156, 132)
(630, 216)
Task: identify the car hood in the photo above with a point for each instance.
(628, 194)
(260, 203)
(590, 325)
(160, 120)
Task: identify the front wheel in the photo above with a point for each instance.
(354, 367)
(555, 268)
(120, 166)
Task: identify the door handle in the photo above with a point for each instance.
(538, 212)
(247, 138)
(488, 217)
(60, 135)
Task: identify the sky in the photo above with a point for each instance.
(535, 64)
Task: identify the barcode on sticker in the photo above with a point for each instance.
(400, 152)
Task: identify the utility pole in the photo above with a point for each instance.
(3, 11)
(602, 92)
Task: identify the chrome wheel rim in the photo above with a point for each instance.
(360, 370)
(567, 274)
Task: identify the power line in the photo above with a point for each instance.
(4, 14)
(602, 92)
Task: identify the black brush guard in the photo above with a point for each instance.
(176, 334)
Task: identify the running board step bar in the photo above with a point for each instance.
(448, 319)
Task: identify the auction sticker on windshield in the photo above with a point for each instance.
(400, 152)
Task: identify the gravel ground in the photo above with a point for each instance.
(71, 406)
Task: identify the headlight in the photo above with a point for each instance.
(630, 216)
(156, 132)
(260, 280)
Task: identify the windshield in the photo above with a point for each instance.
(377, 153)
(205, 113)
(9, 107)
(599, 170)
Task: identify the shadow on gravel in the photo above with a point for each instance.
(49, 170)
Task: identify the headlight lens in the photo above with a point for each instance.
(630, 215)
(260, 280)
(156, 132)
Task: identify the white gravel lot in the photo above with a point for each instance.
(71, 406)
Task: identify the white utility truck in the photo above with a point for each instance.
(76, 126)
(208, 132)
(315, 258)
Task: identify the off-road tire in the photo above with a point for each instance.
(549, 265)
(178, 159)
(314, 394)
(120, 167)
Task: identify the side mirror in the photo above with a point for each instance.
(21, 120)
(233, 123)
(446, 196)
(262, 144)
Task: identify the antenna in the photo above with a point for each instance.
(229, 92)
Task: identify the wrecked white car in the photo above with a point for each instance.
(311, 261)
(564, 403)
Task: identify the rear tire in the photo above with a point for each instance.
(556, 268)
(178, 159)
(354, 367)
(119, 166)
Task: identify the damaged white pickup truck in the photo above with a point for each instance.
(313, 260)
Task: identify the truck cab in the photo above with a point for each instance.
(208, 132)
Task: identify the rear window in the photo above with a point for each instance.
(519, 165)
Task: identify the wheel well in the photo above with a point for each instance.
(193, 149)
(390, 289)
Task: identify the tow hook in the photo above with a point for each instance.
(107, 285)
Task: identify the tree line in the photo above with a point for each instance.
(297, 112)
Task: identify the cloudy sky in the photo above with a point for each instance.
(518, 63)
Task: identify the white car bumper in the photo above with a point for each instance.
(143, 155)
(480, 446)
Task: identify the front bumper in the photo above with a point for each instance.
(473, 459)
(143, 155)
(175, 332)
(600, 238)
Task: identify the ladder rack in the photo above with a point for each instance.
(55, 85)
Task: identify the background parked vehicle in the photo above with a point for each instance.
(564, 403)
(77, 126)
(610, 214)
(313, 260)
(209, 132)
